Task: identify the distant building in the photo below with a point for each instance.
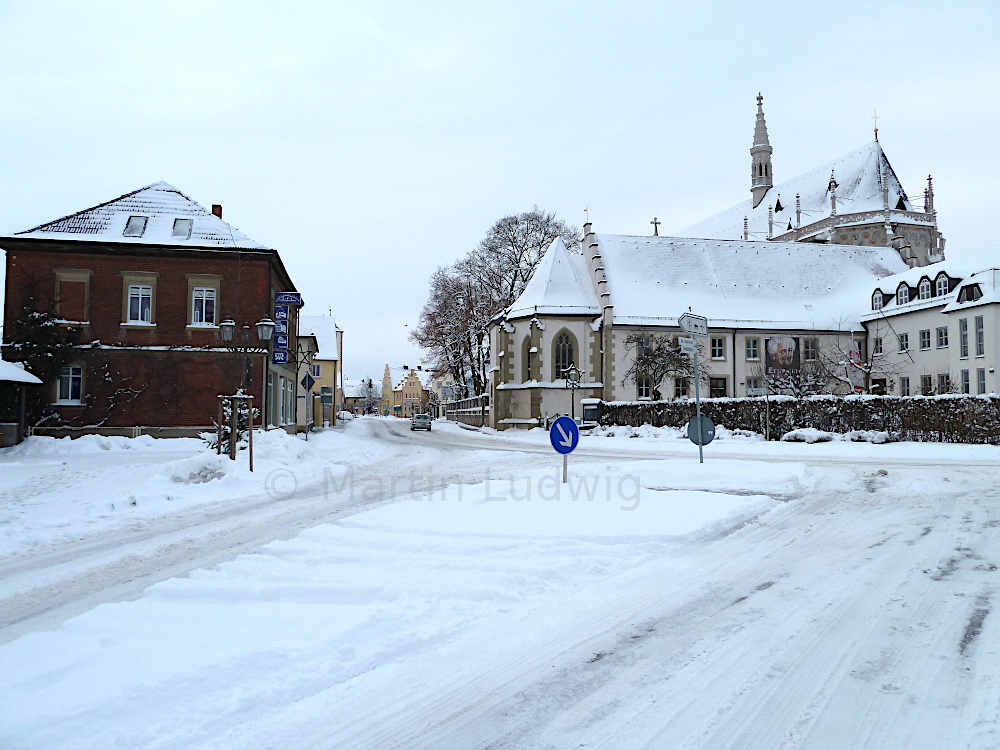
(325, 368)
(405, 390)
(854, 200)
(146, 278)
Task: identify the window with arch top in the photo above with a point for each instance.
(942, 285)
(563, 353)
(527, 359)
(924, 290)
(902, 294)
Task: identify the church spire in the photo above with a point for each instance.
(761, 178)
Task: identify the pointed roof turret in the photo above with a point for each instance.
(761, 177)
(561, 284)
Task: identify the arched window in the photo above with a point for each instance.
(877, 301)
(925, 289)
(563, 353)
(527, 359)
(941, 284)
(902, 294)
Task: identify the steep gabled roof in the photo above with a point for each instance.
(324, 328)
(560, 284)
(161, 204)
(742, 284)
(859, 176)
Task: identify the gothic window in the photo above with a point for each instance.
(925, 289)
(563, 353)
(527, 359)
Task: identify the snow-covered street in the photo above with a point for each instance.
(382, 588)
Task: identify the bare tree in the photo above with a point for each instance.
(658, 357)
(809, 379)
(846, 362)
(466, 297)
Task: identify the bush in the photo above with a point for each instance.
(936, 419)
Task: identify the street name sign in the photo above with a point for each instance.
(697, 325)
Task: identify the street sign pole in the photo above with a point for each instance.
(697, 406)
(564, 436)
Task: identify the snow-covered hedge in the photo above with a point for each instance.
(943, 419)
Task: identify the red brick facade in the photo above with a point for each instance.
(134, 374)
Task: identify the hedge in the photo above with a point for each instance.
(934, 419)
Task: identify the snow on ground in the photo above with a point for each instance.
(236, 649)
(56, 490)
(780, 595)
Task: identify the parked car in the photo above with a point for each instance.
(421, 422)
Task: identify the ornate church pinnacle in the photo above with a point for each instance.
(761, 177)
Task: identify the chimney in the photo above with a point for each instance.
(217, 209)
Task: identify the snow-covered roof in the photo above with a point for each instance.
(161, 204)
(560, 284)
(957, 271)
(859, 176)
(356, 388)
(743, 284)
(399, 373)
(14, 372)
(324, 328)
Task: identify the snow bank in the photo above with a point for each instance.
(808, 435)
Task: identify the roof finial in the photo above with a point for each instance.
(656, 226)
(746, 228)
(875, 118)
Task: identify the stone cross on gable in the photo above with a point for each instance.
(656, 226)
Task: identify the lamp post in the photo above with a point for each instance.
(572, 375)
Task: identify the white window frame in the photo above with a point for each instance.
(135, 233)
(877, 345)
(963, 338)
(941, 337)
(943, 382)
(140, 291)
(980, 323)
(904, 386)
(924, 289)
(902, 294)
(188, 223)
(926, 385)
(203, 291)
(810, 343)
(924, 337)
(754, 383)
(877, 301)
(68, 374)
(677, 389)
(722, 347)
(724, 379)
(315, 370)
(644, 387)
(941, 286)
(903, 340)
(980, 380)
(966, 382)
(752, 346)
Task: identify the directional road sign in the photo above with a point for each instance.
(686, 344)
(696, 325)
(564, 435)
(704, 436)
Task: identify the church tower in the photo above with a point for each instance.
(761, 178)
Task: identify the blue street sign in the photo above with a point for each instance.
(281, 342)
(281, 326)
(564, 435)
(281, 312)
(288, 298)
(279, 357)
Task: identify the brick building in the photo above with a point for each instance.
(145, 279)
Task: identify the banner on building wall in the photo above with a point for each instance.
(782, 353)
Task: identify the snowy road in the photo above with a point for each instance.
(857, 611)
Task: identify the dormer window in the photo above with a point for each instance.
(182, 229)
(877, 300)
(924, 290)
(902, 294)
(135, 226)
(970, 293)
(942, 285)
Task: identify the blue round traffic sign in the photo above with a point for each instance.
(564, 435)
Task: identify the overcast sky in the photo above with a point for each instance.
(372, 142)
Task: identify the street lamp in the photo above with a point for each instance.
(227, 335)
(227, 329)
(265, 330)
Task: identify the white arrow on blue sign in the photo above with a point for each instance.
(564, 435)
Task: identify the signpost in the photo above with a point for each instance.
(701, 431)
(696, 325)
(564, 436)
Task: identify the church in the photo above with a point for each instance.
(793, 266)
